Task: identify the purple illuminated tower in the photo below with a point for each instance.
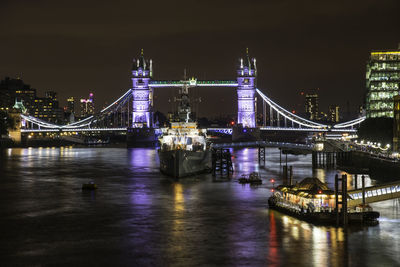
(247, 73)
(142, 71)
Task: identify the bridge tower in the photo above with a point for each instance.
(246, 91)
(142, 72)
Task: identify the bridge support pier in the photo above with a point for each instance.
(323, 159)
(221, 162)
(344, 158)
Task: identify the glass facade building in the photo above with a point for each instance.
(383, 80)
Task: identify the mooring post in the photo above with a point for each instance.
(355, 181)
(344, 199)
(285, 175)
(363, 191)
(337, 199)
(286, 160)
(313, 159)
(214, 162)
(220, 161)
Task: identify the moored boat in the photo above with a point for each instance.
(312, 200)
(253, 179)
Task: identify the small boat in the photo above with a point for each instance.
(243, 179)
(89, 186)
(253, 179)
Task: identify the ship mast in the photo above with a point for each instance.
(184, 109)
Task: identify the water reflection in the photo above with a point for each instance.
(306, 244)
(273, 243)
(178, 198)
(139, 217)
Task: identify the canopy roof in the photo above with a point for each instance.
(309, 187)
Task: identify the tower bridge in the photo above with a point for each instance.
(134, 109)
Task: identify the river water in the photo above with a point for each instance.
(139, 217)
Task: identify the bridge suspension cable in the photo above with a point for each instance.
(350, 123)
(289, 115)
(86, 122)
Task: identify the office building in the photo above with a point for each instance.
(312, 106)
(51, 95)
(47, 108)
(87, 106)
(383, 80)
(70, 105)
(334, 113)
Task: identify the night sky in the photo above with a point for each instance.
(74, 47)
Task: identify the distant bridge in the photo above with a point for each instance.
(134, 107)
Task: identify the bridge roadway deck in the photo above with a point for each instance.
(374, 194)
(67, 128)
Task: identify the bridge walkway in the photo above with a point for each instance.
(374, 194)
(264, 144)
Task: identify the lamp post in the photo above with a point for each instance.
(272, 180)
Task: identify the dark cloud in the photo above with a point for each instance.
(76, 46)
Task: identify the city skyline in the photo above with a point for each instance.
(303, 48)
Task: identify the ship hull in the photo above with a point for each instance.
(182, 163)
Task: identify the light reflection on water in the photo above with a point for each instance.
(140, 217)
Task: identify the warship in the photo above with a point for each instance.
(183, 147)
